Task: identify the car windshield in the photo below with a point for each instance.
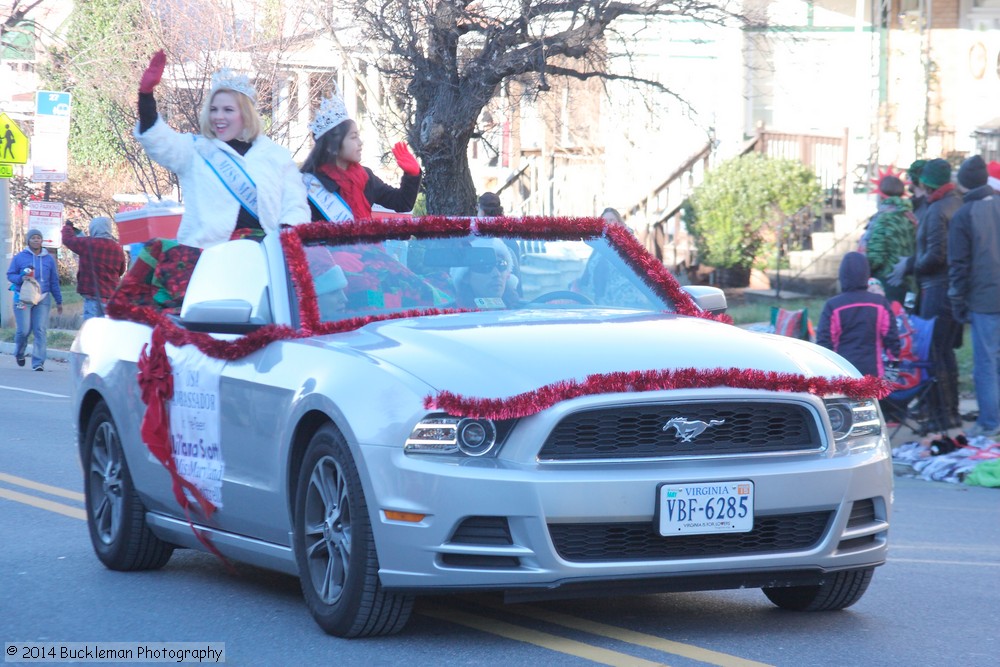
(473, 272)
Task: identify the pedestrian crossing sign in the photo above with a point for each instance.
(13, 142)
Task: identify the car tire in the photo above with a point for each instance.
(839, 591)
(116, 517)
(335, 547)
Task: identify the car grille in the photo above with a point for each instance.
(638, 432)
(582, 542)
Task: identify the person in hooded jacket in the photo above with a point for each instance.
(101, 264)
(34, 263)
(858, 324)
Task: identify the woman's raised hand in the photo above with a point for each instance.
(151, 77)
(405, 159)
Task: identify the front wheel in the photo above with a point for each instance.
(839, 591)
(116, 516)
(335, 547)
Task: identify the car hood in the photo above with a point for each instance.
(510, 352)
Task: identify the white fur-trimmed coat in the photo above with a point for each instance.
(210, 210)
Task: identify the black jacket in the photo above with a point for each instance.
(930, 263)
(974, 254)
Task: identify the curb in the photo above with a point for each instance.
(56, 355)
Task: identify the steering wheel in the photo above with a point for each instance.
(558, 295)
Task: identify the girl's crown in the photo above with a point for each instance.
(331, 113)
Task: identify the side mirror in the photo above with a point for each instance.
(220, 316)
(709, 299)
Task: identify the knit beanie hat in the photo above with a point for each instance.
(891, 186)
(972, 174)
(936, 173)
(916, 167)
(33, 232)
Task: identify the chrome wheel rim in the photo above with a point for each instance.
(327, 528)
(105, 483)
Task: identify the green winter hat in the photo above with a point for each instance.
(916, 168)
(936, 173)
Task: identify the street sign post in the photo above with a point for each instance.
(13, 142)
(47, 217)
(49, 157)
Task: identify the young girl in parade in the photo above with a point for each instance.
(236, 182)
(339, 188)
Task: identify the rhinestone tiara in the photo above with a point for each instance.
(227, 79)
(332, 112)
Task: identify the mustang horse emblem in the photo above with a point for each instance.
(687, 429)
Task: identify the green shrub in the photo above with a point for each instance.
(735, 213)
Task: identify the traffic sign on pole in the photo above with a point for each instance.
(13, 142)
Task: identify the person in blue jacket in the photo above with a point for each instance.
(858, 324)
(36, 262)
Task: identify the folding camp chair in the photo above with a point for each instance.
(911, 403)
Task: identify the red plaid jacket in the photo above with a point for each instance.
(102, 263)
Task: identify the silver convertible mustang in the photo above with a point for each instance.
(533, 406)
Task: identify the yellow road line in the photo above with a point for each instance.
(38, 486)
(543, 639)
(41, 503)
(629, 636)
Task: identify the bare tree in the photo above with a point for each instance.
(446, 59)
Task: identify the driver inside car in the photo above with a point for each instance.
(487, 282)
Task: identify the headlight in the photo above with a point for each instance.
(444, 434)
(856, 425)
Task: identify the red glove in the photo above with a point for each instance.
(153, 73)
(405, 159)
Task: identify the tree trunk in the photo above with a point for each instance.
(448, 182)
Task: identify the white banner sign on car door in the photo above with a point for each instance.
(195, 420)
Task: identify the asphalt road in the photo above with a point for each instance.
(935, 602)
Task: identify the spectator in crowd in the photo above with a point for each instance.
(34, 265)
(101, 264)
(891, 235)
(929, 264)
(489, 205)
(338, 187)
(993, 169)
(918, 194)
(612, 215)
(974, 285)
(236, 181)
(858, 324)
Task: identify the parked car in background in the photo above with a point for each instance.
(403, 407)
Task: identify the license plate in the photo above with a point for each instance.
(706, 507)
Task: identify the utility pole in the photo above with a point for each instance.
(6, 253)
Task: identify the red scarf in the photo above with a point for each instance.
(940, 192)
(352, 182)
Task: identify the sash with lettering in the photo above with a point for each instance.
(231, 173)
(330, 204)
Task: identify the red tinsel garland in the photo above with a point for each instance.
(156, 378)
(533, 402)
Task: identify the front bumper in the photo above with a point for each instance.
(494, 524)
